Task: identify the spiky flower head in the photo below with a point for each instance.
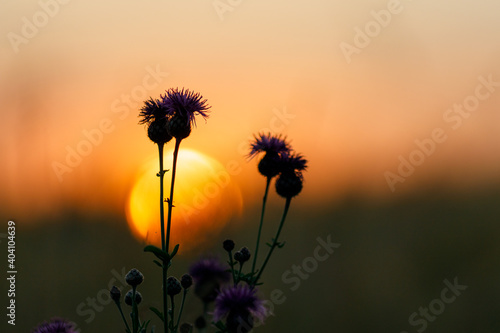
(55, 325)
(209, 274)
(273, 146)
(154, 114)
(151, 111)
(182, 106)
(268, 143)
(289, 182)
(239, 305)
(291, 162)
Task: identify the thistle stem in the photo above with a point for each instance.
(231, 263)
(275, 241)
(171, 198)
(174, 328)
(162, 210)
(264, 200)
(162, 232)
(181, 308)
(123, 317)
(135, 312)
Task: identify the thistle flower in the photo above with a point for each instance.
(208, 274)
(273, 146)
(239, 305)
(55, 325)
(154, 114)
(289, 183)
(181, 107)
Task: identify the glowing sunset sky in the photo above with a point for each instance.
(262, 65)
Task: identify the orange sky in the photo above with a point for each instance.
(261, 65)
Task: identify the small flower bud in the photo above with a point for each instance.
(242, 255)
(186, 281)
(115, 294)
(288, 184)
(228, 245)
(186, 328)
(173, 286)
(200, 323)
(128, 297)
(134, 277)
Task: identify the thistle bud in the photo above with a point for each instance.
(186, 328)
(179, 127)
(243, 255)
(134, 277)
(269, 165)
(115, 294)
(228, 245)
(186, 281)
(157, 131)
(288, 184)
(173, 286)
(128, 297)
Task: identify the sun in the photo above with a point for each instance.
(205, 200)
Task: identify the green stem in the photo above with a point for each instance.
(171, 198)
(239, 273)
(205, 312)
(135, 313)
(275, 241)
(165, 298)
(162, 232)
(232, 265)
(162, 209)
(167, 241)
(172, 314)
(123, 317)
(181, 308)
(268, 181)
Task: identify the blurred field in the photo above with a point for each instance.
(392, 260)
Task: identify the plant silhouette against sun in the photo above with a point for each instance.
(229, 295)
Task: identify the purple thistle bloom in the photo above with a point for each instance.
(239, 305)
(151, 111)
(56, 325)
(185, 103)
(209, 274)
(275, 144)
(292, 162)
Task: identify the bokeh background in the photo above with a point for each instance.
(70, 67)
